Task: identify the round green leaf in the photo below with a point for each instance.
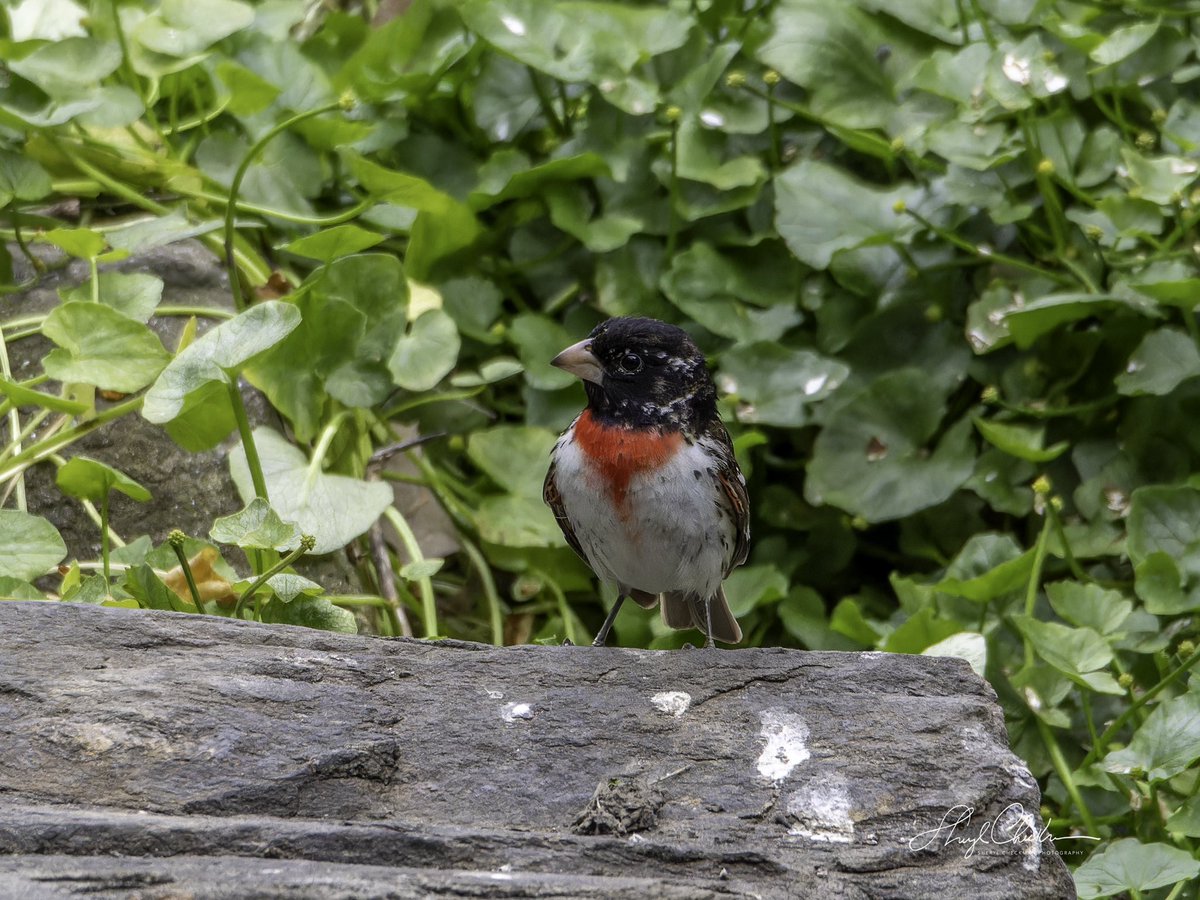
(425, 355)
(1165, 744)
(871, 458)
(1129, 865)
(29, 545)
(819, 210)
(100, 346)
(334, 509)
(90, 479)
(217, 354)
(333, 243)
(1163, 360)
(256, 526)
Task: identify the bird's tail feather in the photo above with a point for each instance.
(684, 610)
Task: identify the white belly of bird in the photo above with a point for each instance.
(670, 535)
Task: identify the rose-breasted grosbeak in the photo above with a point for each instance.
(644, 483)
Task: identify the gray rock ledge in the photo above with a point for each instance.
(161, 755)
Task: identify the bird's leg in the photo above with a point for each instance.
(602, 636)
(709, 643)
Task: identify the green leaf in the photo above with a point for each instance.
(1089, 605)
(144, 585)
(830, 51)
(217, 355)
(334, 509)
(64, 68)
(79, 242)
(819, 210)
(595, 42)
(1164, 180)
(920, 631)
(288, 587)
(871, 458)
(310, 612)
(334, 243)
(515, 457)
(135, 295)
(1167, 743)
(1122, 43)
(1006, 577)
(29, 545)
(257, 526)
(538, 340)
(749, 587)
(333, 349)
(1163, 360)
(847, 619)
(968, 645)
(781, 385)
(443, 227)
(423, 568)
(508, 175)
(1073, 651)
(517, 521)
(1037, 317)
(90, 479)
(1163, 518)
(21, 178)
(1159, 584)
(100, 346)
(1186, 819)
(183, 28)
(427, 354)
(18, 589)
(1021, 441)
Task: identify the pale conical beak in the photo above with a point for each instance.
(579, 360)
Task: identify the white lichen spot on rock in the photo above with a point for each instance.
(514, 711)
(673, 703)
(785, 737)
(820, 811)
(1021, 829)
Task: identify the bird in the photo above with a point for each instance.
(644, 482)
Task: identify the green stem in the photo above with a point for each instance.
(176, 541)
(495, 608)
(673, 202)
(243, 423)
(570, 623)
(1035, 581)
(231, 210)
(318, 455)
(95, 279)
(1064, 774)
(988, 254)
(306, 544)
(1068, 553)
(413, 549)
(104, 537)
(56, 442)
(14, 425)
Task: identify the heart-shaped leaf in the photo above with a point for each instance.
(334, 509)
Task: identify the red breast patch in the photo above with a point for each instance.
(618, 454)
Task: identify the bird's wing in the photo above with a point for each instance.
(733, 492)
(554, 500)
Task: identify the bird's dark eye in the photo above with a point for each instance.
(631, 363)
